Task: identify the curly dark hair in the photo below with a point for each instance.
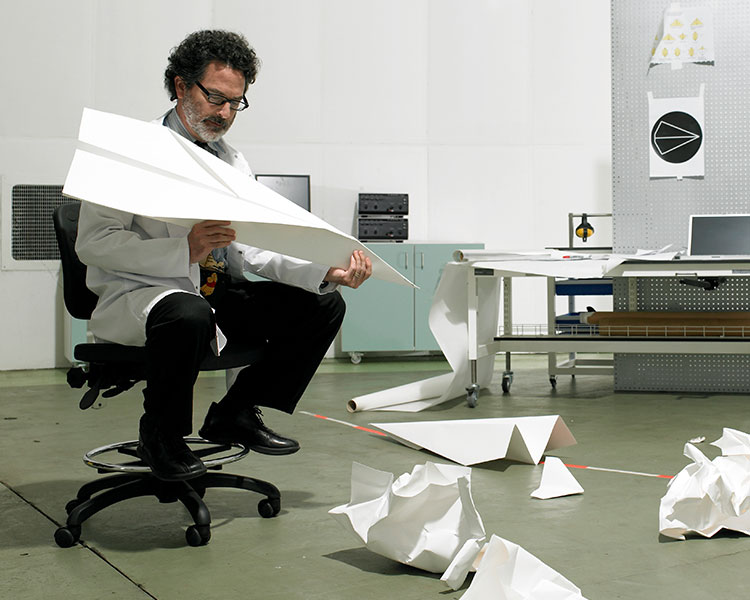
(190, 59)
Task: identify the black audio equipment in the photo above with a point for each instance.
(383, 229)
(383, 204)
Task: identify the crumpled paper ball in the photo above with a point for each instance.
(506, 571)
(425, 519)
(709, 495)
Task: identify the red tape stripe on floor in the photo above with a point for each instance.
(615, 471)
(352, 425)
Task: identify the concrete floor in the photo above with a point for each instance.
(606, 541)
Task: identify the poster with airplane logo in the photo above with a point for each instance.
(676, 136)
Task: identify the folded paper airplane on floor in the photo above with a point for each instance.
(425, 518)
(710, 495)
(556, 481)
(149, 170)
(474, 441)
(508, 571)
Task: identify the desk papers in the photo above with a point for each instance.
(710, 495)
(149, 170)
(509, 572)
(474, 441)
(425, 518)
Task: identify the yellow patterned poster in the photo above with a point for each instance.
(686, 35)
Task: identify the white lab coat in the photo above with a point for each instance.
(134, 261)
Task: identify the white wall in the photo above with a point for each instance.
(493, 115)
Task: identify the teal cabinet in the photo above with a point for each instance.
(385, 317)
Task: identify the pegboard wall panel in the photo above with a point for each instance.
(668, 294)
(652, 213)
(682, 373)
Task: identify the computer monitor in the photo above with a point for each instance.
(719, 235)
(293, 187)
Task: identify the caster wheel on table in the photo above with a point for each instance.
(507, 382)
(472, 395)
(198, 535)
(355, 357)
(553, 382)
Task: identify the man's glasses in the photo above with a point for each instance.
(220, 100)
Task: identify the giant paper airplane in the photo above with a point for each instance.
(474, 441)
(149, 170)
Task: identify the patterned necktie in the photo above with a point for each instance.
(217, 260)
(205, 146)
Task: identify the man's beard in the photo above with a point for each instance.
(198, 123)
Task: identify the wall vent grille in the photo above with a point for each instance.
(32, 233)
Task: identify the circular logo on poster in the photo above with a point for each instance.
(676, 137)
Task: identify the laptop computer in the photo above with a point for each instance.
(719, 236)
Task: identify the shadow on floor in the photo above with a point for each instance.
(136, 524)
(365, 560)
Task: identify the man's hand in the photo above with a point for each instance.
(360, 269)
(207, 235)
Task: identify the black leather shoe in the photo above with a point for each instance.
(166, 453)
(245, 427)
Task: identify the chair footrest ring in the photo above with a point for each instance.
(227, 453)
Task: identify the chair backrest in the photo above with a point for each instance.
(79, 300)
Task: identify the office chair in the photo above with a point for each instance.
(113, 368)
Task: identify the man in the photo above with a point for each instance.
(182, 293)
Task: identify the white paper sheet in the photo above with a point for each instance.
(508, 572)
(474, 255)
(733, 442)
(710, 495)
(474, 441)
(579, 268)
(448, 325)
(556, 481)
(426, 518)
(146, 169)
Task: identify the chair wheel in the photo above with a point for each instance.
(76, 377)
(198, 535)
(74, 503)
(268, 508)
(65, 537)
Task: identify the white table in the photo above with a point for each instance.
(551, 342)
(466, 308)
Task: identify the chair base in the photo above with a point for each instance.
(98, 494)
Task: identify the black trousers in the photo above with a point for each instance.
(297, 327)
